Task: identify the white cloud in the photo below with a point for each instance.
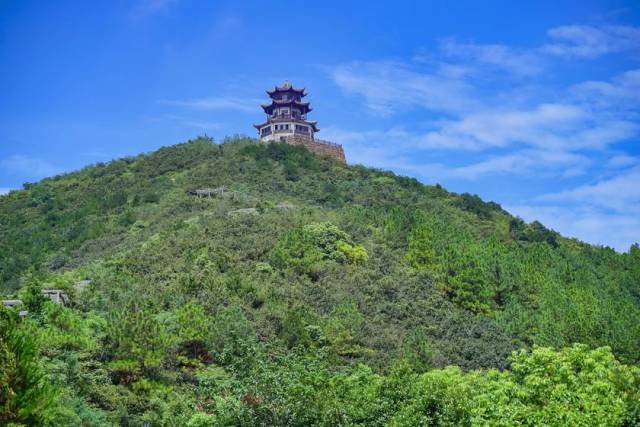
(349, 137)
(523, 62)
(591, 42)
(30, 167)
(217, 103)
(5, 190)
(547, 138)
(624, 88)
(622, 161)
(522, 163)
(553, 127)
(389, 86)
(620, 193)
(398, 148)
(574, 123)
(544, 125)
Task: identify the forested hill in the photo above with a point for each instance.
(301, 291)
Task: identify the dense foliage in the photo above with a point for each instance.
(306, 293)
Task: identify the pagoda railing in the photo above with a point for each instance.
(294, 131)
(286, 117)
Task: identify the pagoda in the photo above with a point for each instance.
(287, 122)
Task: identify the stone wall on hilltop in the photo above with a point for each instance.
(319, 146)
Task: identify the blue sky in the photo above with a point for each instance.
(536, 107)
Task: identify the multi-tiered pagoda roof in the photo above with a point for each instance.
(286, 88)
(287, 122)
(275, 104)
(287, 107)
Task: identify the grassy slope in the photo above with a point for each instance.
(131, 227)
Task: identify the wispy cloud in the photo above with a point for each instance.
(398, 148)
(568, 41)
(389, 86)
(620, 193)
(231, 103)
(548, 126)
(622, 90)
(541, 125)
(553, 137)
(29, 167)
(622, 161)
(522, 163)
(589, 115)
(576, 124)
(520, 62)
(591, 42)
(5, 190)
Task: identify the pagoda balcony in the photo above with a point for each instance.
(289, 131)
(286, 118)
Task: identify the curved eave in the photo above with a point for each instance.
(292, 103)
(277, 89)
(314, 125)
(287, 102)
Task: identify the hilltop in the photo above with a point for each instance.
(295, 282)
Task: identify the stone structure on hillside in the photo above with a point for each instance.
(11, 304)
(287, 122)
(56, 295)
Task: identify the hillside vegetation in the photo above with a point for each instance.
(303, 292)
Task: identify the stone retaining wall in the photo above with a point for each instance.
(318, 146)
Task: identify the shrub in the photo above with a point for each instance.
(302, 249)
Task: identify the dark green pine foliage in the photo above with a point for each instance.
(26, 397)
(303, 292)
